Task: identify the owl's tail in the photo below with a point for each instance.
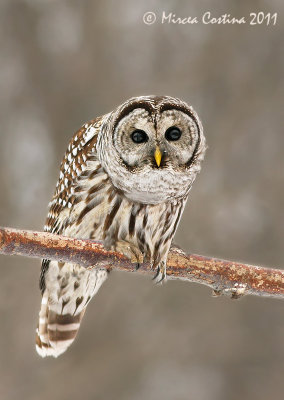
(68, 290)
(55, 332)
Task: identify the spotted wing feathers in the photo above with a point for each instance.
(67, 288)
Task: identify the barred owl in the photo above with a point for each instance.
(124, 179)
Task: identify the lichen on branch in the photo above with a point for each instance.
(223, 277)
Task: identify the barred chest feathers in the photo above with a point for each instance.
(105, 213)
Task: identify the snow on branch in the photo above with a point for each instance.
(224, 277)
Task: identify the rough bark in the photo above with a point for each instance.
(224, 277)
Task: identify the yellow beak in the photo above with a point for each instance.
(158, 156)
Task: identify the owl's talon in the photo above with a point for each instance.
(156, 274)
(159, 278)
(137, 266)
(129, 251)
(161, 274)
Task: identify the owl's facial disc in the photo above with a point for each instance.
(166, 141)
(151, 148)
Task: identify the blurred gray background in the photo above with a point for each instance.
(65, 62)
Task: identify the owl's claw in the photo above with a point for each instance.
(161, 273)
(129, 251)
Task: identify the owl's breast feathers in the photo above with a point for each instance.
(87, 205)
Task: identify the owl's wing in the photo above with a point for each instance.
(67, 288)
(72, 170)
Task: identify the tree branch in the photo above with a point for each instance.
(224, 277)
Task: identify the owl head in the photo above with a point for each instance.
(151, 147)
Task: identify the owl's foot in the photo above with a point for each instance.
(161, 273)
(129, 251)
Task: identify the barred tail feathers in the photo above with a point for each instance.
(64, 301)
(55, 332)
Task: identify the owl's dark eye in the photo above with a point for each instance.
(139, 136)
(173, 133)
